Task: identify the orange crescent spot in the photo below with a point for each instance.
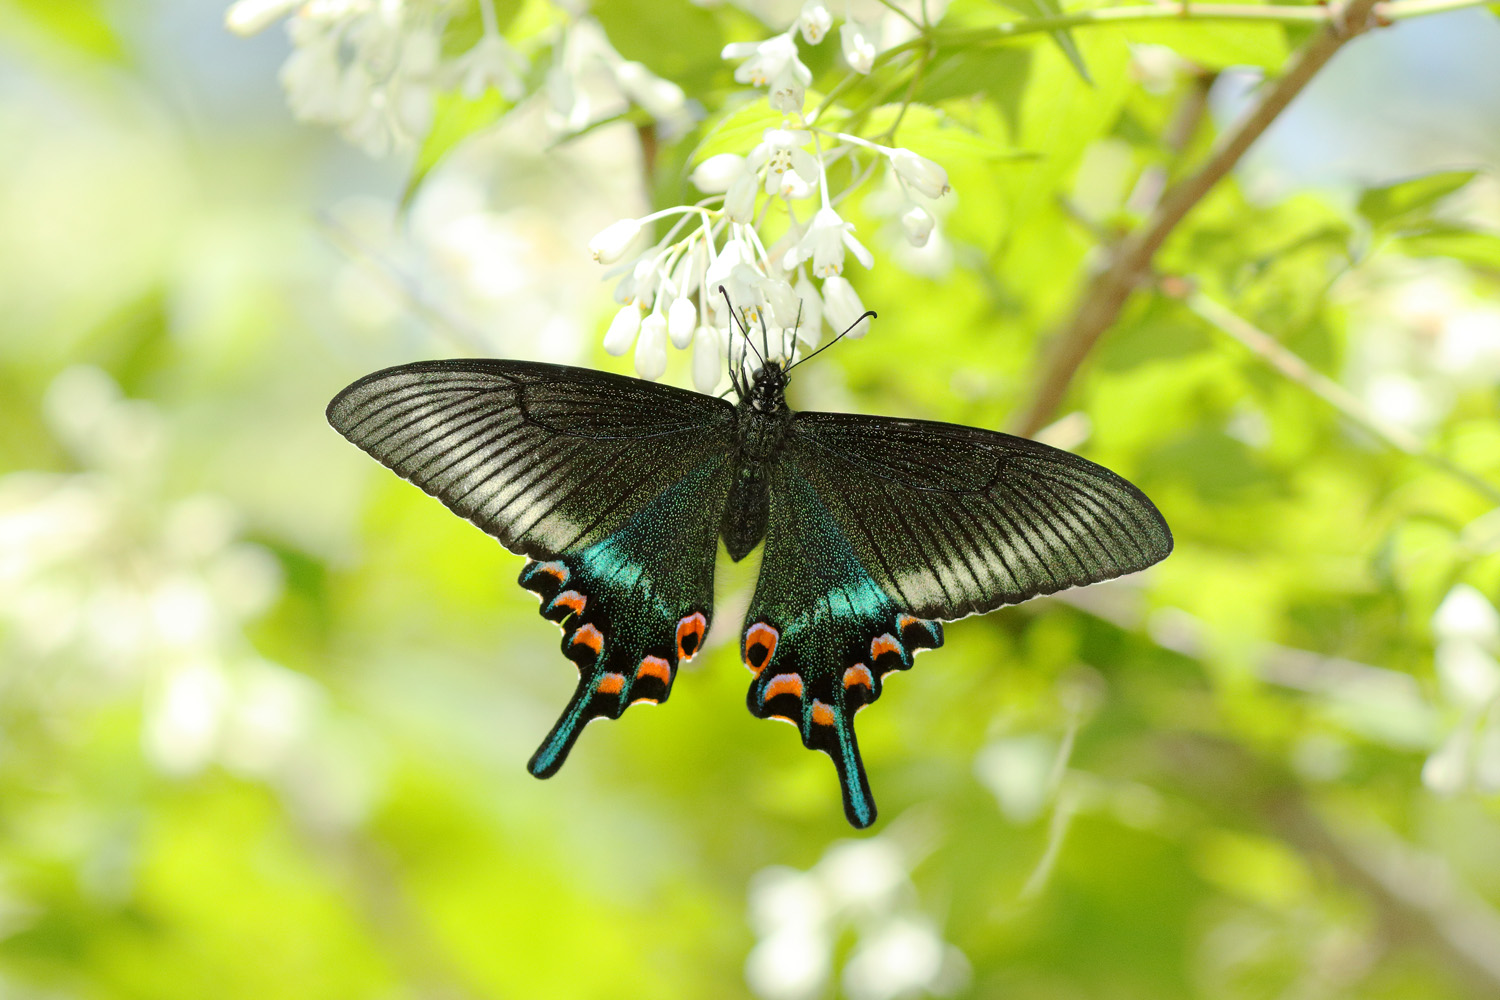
(611, 684)
(690, 635)
(591, 637)
(822, 715)
(572, 600)
(859, 674)
(905, 622)
(782, 684)
(655, 666)
(554, 569)
(760, 636)
(883, 644)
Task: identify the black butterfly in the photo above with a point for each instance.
(619, 490)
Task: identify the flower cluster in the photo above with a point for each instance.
(373, 68)
(864, 886)
(781, 289)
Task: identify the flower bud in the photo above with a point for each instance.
(842, 307)
(651, 349)
(708, 359)
(622, 330)
(681, 317)
(920, 172)
(611, 242)
(740, 201)
(918, 225)
(715, 174)
(247, 17)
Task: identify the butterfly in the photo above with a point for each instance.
(618, 491)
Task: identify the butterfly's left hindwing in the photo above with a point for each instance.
(821, 635)
(613, 487)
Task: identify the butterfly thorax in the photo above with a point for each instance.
(762, 423)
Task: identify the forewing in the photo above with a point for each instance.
(613, 486)
(954, 520)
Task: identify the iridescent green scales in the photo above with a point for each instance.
(619, 490)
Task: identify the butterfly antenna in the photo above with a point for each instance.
(868, 314)
(744, 331)
(735, 379)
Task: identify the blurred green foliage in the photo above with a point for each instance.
(264, 709)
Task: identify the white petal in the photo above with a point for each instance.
(651, 349)
(611, 242)
(921, 173)
(622, 330)
(815, 20)
(681, 318)
(715, 174)
(708, 359)
(859, 46)
(918, 225)
(740, 201)
(860, 252)
(842, 307)
(250, 16)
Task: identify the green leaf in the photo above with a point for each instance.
(1468, 246)
(1406, 201)
(998, 73)
(1062, 36)
(740, 130)
(81, 24)
(1215, 46)
(457, 117)
(934, 134)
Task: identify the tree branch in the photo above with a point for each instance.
(1130, 264)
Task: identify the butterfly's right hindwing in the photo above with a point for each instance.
(614, 487)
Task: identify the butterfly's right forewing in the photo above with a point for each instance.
(614, 487)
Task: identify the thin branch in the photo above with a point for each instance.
(1130, 264)
(1293, 367)
(1384, 12)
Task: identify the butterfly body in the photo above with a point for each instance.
(874, 529)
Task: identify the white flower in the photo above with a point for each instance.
(611, 242)
(920, 172)
(772, 63)
(812, 312)
(739, 203)
(859, 45)
(661, 99)
(248, 17)
(815, 20)
(682, 316)
(824, 242)
(842, 307)
(918, 225)
(651, 349)
(622, 330)
(747, 285)
(715, 174)
(708, 358)
(789, 167)
(313, 76)
(491, 63)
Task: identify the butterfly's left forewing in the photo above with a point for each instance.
(613, 487)
(879, 528)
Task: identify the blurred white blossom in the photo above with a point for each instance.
(864, 886)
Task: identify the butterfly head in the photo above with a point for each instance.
(767, 393)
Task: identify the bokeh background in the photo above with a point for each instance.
(265, 709)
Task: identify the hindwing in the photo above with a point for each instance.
(612, 486)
